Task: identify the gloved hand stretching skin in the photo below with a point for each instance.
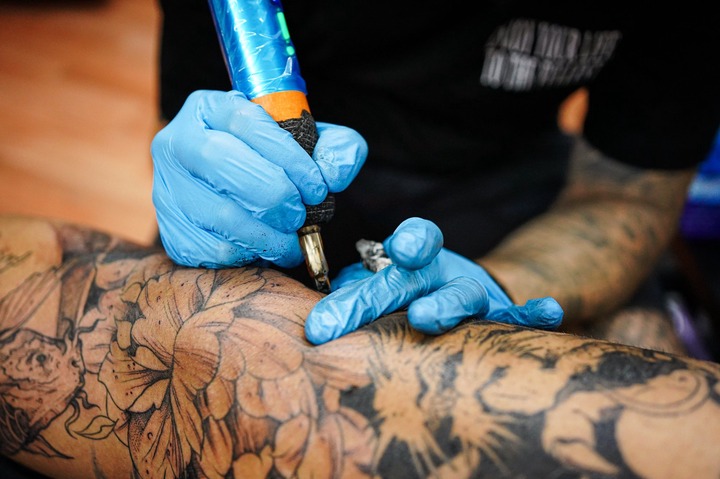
(230, 186)
(439, 287)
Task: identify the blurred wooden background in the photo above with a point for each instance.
(78, 111)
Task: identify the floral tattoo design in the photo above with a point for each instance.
(206, 374)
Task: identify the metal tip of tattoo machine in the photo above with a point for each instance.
(312, 248)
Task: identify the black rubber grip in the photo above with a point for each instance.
(304, 131)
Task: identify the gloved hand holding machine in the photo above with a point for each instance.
(245, 183)
(261, 60)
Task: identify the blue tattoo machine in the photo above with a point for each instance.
(261, 61)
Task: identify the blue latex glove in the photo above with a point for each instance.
(439, 287)
(230, 186)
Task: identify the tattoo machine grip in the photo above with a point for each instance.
(261, 61)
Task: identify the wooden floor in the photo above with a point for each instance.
(78, 111)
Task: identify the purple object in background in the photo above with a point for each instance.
(685, 328)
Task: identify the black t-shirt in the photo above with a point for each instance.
(459, 105)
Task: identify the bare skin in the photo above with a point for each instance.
(114, 362)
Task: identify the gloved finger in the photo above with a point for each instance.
(339, 153)
(231, 112)
(544, 313)
(362, 302)
(442, 309)
(230, 168)
(349, 275)
(414, 244)
(205, 213)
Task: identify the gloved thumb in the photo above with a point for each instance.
(339, 153)
(414, 244)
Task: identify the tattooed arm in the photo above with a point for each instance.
(599, 241)
(114, 362)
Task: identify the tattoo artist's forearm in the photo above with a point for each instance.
(584, 258)
(593, 248)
